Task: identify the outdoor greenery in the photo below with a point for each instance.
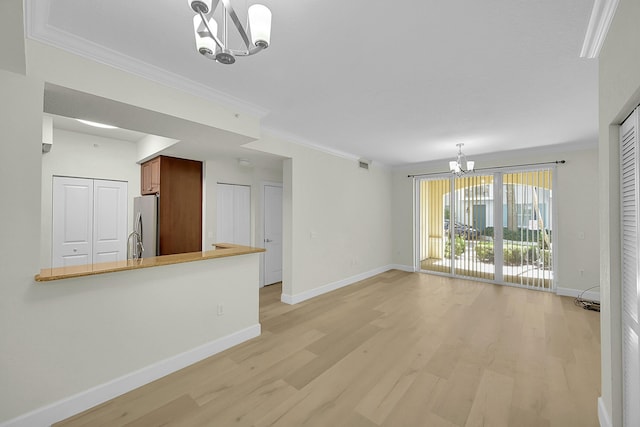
(521, 235)
(460, 247)
(514, 254)
(484, 252)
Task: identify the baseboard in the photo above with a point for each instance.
(401, 267)
(297, 298)
(75, 404)
(569, 292)
(603, 415)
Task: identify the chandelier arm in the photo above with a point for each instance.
(214, 6)
(251, 51)
(236, 22)
(209, 33)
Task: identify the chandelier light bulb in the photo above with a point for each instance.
(197, 6)
(205, 44)
(255, 37)
(260, 24)
(455, 166)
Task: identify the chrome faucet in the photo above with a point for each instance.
(136, 234)
(138, 249)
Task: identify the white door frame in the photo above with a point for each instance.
(260, 231)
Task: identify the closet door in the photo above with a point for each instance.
(89, 221)
(233, 214)
(72, 221)
(109, 221)
(630, 268)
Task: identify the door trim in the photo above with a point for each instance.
(260, 231)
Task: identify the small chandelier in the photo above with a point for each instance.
(456, 166)
(206, 30)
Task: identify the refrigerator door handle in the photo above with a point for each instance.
(138, 226)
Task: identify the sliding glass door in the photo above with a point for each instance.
(472, 212)
(434, 241)
(527, 243)
(455, 220)
(494, 227)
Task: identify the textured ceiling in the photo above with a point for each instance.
(397, 82)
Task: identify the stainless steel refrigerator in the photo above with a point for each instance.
(145, 227)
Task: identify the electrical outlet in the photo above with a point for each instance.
(220, 309)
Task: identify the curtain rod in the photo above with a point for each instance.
(557, 162)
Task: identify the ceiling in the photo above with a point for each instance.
(398, 84)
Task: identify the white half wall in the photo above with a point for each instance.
(85, 156)
(89, 331)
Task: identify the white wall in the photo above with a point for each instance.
(150, 145)
(85, 156)
(576, 199)
(227, 171)
(62, 68)
(619, 78)
(20, 150)
(336, 214)
(63, 337)
(12, 37)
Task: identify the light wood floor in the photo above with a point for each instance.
(398, 349)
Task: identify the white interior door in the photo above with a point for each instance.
(109, 221)
(224, 213)
(233, 214)
(89, 221)
(630, 196)
(72, 221)
(272, 234)
(242, 210)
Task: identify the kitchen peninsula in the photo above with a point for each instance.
(221, 250)
(135, 321)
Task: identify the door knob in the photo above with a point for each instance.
(268, 240)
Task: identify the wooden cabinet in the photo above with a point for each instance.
(150, 177)
(179, 184)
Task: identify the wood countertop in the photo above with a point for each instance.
(221, 250)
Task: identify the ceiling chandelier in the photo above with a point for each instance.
(461, 165)
(212, 46)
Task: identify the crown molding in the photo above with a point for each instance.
(601, 17)
(295, 139)
(37, 28)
